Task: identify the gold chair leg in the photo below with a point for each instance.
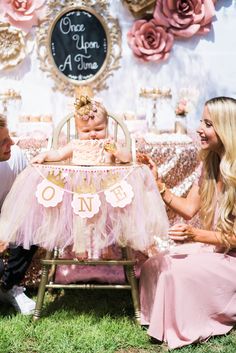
(42, 287)
(53, 269)
(130, 274)
(134, 291)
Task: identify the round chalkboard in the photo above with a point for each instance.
(79, 44)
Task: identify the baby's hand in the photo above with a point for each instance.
(40, 158)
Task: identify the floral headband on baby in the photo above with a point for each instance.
(85, 107)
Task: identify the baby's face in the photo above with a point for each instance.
(92, 129)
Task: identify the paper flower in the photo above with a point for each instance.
(185, 18)
(12, 47)
(23, 14)
(149, 41)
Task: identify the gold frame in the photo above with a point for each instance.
(56, 9)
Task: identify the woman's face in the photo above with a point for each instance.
(208, 137)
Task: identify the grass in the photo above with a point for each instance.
(83, 321)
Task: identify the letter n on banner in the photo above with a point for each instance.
(86, 205)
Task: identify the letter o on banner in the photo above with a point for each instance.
(49, 194)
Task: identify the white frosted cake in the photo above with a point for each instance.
(89, 152)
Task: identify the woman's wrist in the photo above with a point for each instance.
(192, 233)
(165, 193)
(162, 188)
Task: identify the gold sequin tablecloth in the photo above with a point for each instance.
(176, 159)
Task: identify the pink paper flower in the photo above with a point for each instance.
(23, 14)
(185, 18)
(149, 41)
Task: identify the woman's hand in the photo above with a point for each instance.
(152, 165)
(182, 232)
(145, 159)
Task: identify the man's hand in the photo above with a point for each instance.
(3, 246)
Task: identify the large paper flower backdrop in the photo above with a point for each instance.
(152, 40)
(149, 41)
(185, 18)
(22, 14)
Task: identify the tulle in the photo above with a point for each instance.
(26, 222)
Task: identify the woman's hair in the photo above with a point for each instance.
(222, 111)
(3, 121)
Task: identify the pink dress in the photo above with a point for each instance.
(188, 294)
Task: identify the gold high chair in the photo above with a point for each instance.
(52, 260)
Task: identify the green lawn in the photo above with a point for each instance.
(84, 321)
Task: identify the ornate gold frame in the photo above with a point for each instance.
(99, 8)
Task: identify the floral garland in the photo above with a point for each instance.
(152, 40)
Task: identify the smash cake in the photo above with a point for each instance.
(91, 152)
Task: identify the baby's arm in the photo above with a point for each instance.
(54, 155)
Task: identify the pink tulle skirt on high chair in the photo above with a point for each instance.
(136, 221)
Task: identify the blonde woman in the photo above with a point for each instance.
(189, 294)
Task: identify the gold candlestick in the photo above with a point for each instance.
(8, 95)
(155, 94)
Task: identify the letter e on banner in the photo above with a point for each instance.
(86, 205)
(120, 194)
(49, 194)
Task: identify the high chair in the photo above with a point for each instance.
(52, 260)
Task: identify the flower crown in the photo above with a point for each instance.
(85, 107)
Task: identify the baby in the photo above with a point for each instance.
(91, 121)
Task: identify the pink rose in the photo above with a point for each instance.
(149, 41)
(22, 14)
(184, 18)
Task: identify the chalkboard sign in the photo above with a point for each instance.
(79, 44)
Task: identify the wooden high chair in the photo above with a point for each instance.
(51, 260)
